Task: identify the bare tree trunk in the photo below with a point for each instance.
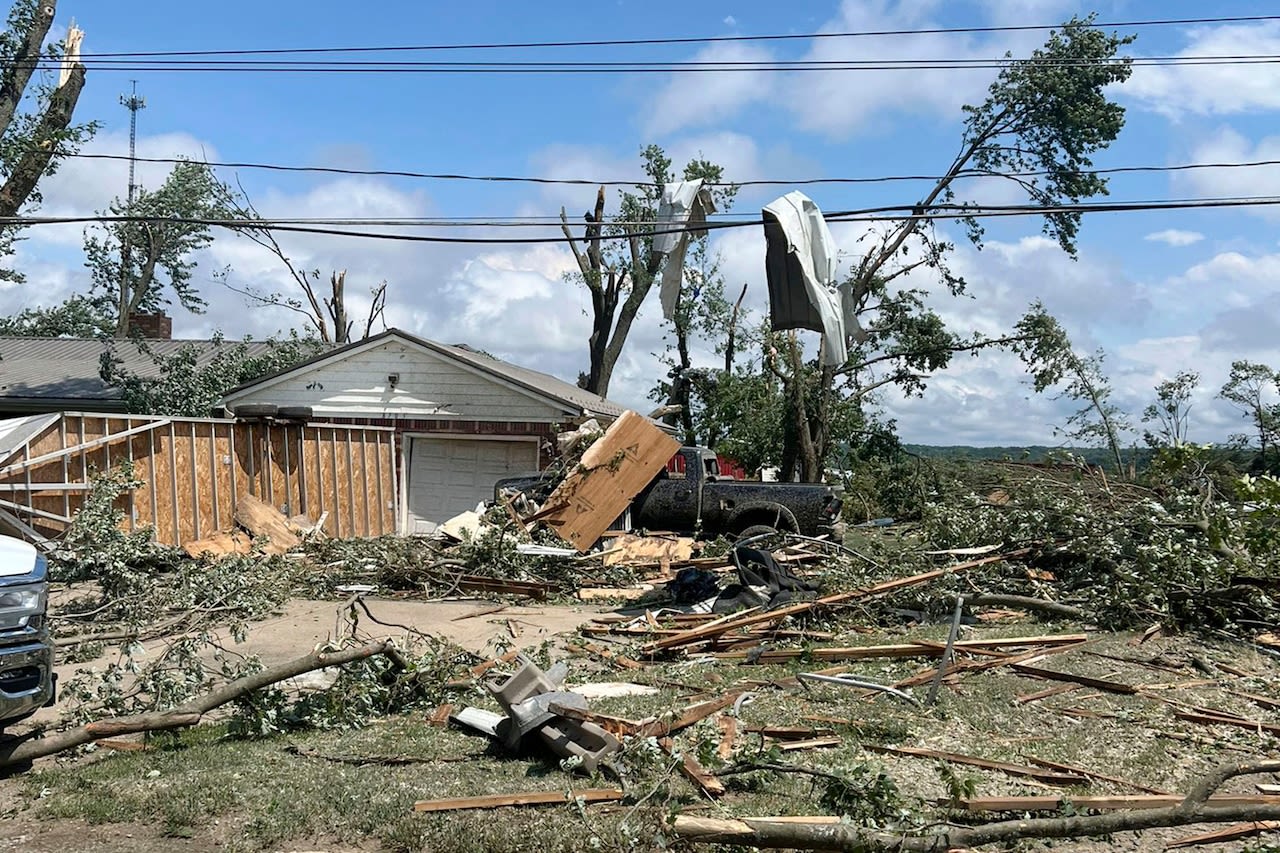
(35, 159)
(14, 80)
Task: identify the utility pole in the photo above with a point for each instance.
(133, 103)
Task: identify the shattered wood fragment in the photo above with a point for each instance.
(497, 801)
(529, 589)
(484, 611)
(1113, 802)
(1083, 680)
(711, 630)
(1228, 720)
(1102, 777)
(811, 743)
(904, 650)
(728, 736)
(617, 726)
(440, 717)
(1269, 639)
(693, 771)
(678, 720)
(480, 669)
(613, 471)
(1229, 833)
(967, 667)
(601, 652)
(632, 550)
(219, 544)
(266, 522)
(1264, 701)
(789, 732)
(1056, 690)
(605, 593)
(1045, 776)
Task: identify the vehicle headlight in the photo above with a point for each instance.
(19, 603)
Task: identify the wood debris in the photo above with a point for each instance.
(1048, 777)
(497, 801)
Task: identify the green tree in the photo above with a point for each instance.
(33, 143)
(619, 273)
(1043, 119)
(142, 263)
(1171, 410)
(1250, 388)
(1052, 360)
(78, 317)
(191, 381)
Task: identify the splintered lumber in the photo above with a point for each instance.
(1102, 777)
(1045, 694)
(1048, 777)
(266, 522)
(1265, 701)
(1228, 833)
(1083, 680)
(541, 798)
(705, 632)
(903, 650)
(219, 544)
(967, 667)
(530, 589)
(1228, 720)
(613, 471)
(632, 550)
(693, 714)
(1103, 803)
(693, 771)
(728, 735)
(606, 593)
(789, 732)
(811, 743)
(618, 726)
(440, 716)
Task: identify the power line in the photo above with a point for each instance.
(678, 41)
(527, 179)
(893, 213)
(781, 66)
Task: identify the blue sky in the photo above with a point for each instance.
(1161, 291)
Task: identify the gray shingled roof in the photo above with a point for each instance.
(66, 369)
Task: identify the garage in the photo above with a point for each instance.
(450, 475)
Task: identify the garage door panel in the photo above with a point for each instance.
(451, 475)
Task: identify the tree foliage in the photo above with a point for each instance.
(1043, 119)
(78, 317)
(191, 381)
(1171, 411)
(144, 263)
(34, 142)
(1251, 388)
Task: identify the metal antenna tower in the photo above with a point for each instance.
(133, 103)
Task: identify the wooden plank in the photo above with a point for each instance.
(632, 550)
(82, 447)
(901, 650)
(715, 629)
(541, 798)
(1227, 833)
(613, 471)
(440, 716)
(1048, 777)
(531, 589)
(617, 726)
(206, 498)
(728, 736)
(694, 772)
(810, 743)
(1083, 680)
(677, 720)
(789, 732)
(365, 485)
(1228, 720)
(267, 522)
(223, 472)
(1114, 802)
(1056, 690)
(1067, 768)
(1265, 701)
(183, 480)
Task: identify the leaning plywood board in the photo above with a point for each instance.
(613, 471)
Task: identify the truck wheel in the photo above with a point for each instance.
(758, 530)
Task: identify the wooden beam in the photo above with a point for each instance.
(1068, 768)
(83, 446)
(1083, 680)
(1048, 777)
(1114, 802)
(714, 630)
(903, 650)
(1229, 833)
(541, 798)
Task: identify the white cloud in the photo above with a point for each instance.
(730, 21)
(1175, 237)
(1214, 89)
(700, 98)
(1229, 146)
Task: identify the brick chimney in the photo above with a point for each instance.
(155, 326)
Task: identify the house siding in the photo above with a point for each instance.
(430, 387)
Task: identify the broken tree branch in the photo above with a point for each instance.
(1024, 602)
(189, 713)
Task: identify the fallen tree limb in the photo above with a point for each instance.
(1024, 602)
(1196, 807)
(189, 713)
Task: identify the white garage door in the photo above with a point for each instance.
(451, 475)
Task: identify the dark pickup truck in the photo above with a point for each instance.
(696, 498)
(26, 653)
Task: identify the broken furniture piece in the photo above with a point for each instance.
(528, 696)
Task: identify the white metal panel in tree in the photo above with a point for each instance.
(450, 475)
